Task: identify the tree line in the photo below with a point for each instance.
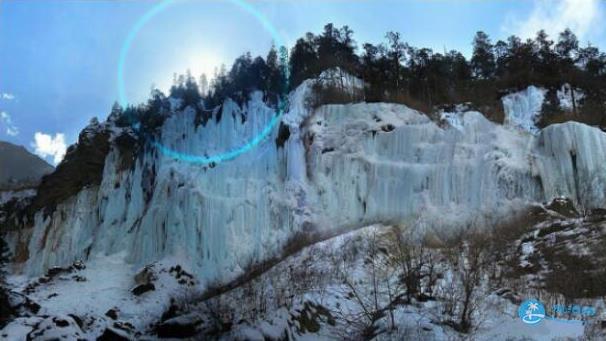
(395, 71)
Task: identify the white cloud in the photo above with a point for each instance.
(7, 122)
(7, 96)
(583, 17)
(47, 145)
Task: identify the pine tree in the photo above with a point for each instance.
(274, 79)
(482, 60)
(546, 58)
(567, 45)
(396, 55)
(303, 60)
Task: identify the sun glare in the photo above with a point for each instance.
(195, 61)
(202, 62)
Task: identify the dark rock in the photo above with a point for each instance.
(177, 328)
(78, 265)
(128, 146)
(6, 308)
(171, 312)
(47, 327)
(32, 306)
(182, 276)
(283, 135)
(60, 323)
(146, 275)
(143, 288)
(54, 271)
(79, 278)
(563, 206)
(112, 314)
(112, 335)
(76, 319)
(595, 216)
(82, 166)
(125, 326)
(388, 128)
(509, 295)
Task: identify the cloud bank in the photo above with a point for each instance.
(46, 145)
(9, 128)
(583, 17)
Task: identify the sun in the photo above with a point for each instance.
(195, 61)
(200, 62)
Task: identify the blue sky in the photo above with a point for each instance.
(59, 59)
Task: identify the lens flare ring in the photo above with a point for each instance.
(249, 145)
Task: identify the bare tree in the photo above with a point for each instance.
(467, 261)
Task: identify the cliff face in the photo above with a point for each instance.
(335, 169)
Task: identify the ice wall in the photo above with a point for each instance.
(522, 108)
(217, 217)
(571, 162)
(395, 164)
(343, 166)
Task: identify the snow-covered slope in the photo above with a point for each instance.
(341, 167)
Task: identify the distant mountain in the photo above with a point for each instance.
(20, 168)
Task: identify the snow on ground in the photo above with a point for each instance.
(522, 108)
(105, 284)
(340, 78)
(324, 292)
(512, 328)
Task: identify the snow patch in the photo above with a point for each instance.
(565, 97)
(6, 196)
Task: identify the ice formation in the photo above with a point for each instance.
(342, 167)
(523, 108)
